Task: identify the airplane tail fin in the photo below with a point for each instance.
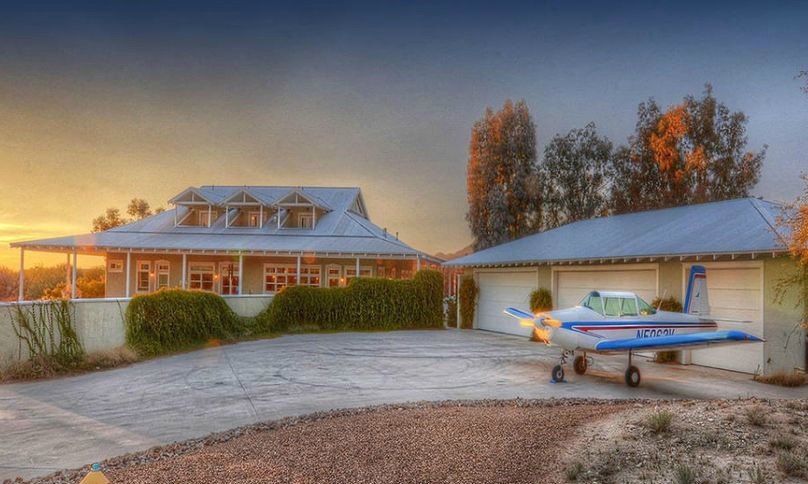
(696, 301)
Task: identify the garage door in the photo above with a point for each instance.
(498, 290)
(572, 286)
(734, 293)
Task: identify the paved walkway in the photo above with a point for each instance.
(66, 423)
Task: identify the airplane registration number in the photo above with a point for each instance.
(650, 333)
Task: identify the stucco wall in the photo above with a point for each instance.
(785, 338)
(100, 322)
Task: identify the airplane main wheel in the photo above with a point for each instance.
(632, 376)
(558, 373)
(579, 364)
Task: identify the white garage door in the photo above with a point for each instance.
(572, 286)
(498, 290)
(734, 292)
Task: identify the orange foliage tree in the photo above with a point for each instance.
(693, 152)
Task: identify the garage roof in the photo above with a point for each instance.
(740, 226)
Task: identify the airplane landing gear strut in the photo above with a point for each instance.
(558, 371)
(632, 373)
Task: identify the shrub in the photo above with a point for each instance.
(541, 300)
(667, 304)
(791, 464)
(756, 416)
(660, 422)
(784, 379)
(468, 301)
(174, 319)
(685, 474)
(49, 334)
(367, 303)
(783, 442)
(574, 471)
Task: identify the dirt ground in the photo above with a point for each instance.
(511, 441)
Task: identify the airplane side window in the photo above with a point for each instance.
(645, 308)
(611, 306)
(629, 307)
(594, 303)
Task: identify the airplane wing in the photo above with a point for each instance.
(677, 342)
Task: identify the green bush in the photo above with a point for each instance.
(468, 301)
(174, 319)
(667, 304)
(367, 303)
(541, 300)
(451, 312)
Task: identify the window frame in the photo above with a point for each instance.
(305, 216)
(139, 265)
(192, 272)
(234, 285)
(158, 271)
(112, 263)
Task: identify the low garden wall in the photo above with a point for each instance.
(99, 323)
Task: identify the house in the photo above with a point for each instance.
(245, 240)
(650, 253)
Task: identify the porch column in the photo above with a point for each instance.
(73, 276)
(21, 284)
(357, 267)
(260, 216)
(184, 268)
(417, 262)
(241, 273)
(209, 214)
(313, 217)
(128, 272)
(298, 270)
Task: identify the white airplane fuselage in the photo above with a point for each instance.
(581, 328)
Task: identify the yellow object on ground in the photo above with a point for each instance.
(95, 476)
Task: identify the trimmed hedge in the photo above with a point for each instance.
(173, 319)
(367, 303)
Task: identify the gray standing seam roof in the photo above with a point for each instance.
(739, 226)
(338, 231)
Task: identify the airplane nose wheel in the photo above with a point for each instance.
(580, 364)
(558, 373)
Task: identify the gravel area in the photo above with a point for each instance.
(459, 442)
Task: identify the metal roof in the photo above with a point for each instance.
(339, 231)
(739, 226)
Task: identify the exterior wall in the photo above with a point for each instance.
(253, 277)
(785, 339)
(100, 323)
(669, 278)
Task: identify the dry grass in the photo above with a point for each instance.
(43, 367)
(784, 379)
(660, 422)
(756, 416)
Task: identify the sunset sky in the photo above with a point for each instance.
(101, 103)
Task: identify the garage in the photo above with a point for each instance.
(735, 291)
(499, 290)
(572, 284)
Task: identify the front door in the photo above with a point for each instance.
(228, 278)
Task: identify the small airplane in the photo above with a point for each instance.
(607, 322)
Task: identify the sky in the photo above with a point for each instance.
(101, 102)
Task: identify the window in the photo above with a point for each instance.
(253, 218)
(380, 271)
(229, 275)
(593, 302)
(305, 220)
(202, 216)
(163, 269)
(350, 272)
(645, 308)
(278, 276)
(620, 306)
(200, 276)
(142, 276)
(334, 274)
(115, 265)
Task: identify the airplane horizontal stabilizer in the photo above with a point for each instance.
(674, 342)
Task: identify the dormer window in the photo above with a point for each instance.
(254, 219)
(305, 221)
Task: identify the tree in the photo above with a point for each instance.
(139, 209)
(692, 153)
(576, 171)
(502, 180)
(9, 284)
(109, 220)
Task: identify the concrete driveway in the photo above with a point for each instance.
(66, 423)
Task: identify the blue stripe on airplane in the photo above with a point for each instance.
(681, 340)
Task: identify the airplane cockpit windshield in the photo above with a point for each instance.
(617, 305)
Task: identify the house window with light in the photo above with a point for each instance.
(163, 269)
(142, 276)
(200, 276)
